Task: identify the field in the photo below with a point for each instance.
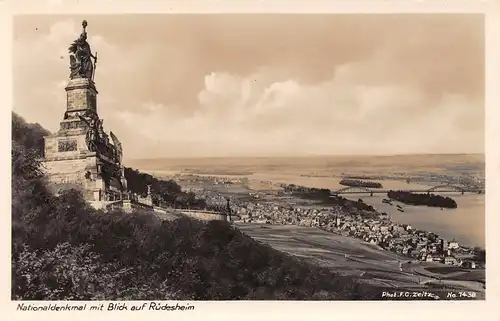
(350, 256)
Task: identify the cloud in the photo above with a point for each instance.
(226, 86)
(241, 116)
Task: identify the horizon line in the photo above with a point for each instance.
(303, 156)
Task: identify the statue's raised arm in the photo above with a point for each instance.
(81, 65)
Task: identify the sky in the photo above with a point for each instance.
(265, 85)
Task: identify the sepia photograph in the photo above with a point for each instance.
(222, 157)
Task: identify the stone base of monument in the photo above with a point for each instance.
(82, 172)
(80, 154)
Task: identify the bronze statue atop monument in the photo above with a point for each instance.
(81, 65)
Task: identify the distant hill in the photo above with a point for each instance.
(316, 164)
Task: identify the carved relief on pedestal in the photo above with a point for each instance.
(67, 145)
(98, 141)
(71, 125)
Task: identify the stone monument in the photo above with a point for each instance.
(80, 154)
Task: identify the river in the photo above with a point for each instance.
(465, 224)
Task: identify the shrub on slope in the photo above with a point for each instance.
(63, 249)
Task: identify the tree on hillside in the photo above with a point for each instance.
(164, 192)
(31, 200)
(30, 136)
(479, 254)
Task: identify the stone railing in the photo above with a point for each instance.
(129, 206)
(205, 215)
(163, 213)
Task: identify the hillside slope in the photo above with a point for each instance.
(63, 249)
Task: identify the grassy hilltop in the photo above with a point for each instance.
(62, 249)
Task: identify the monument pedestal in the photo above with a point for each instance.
(69, 160)
(87, 172)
